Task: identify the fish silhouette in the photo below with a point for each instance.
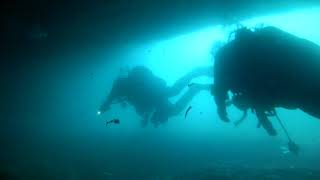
(113, 121)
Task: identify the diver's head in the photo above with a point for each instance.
(140, 74)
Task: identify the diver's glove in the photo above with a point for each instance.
(223, 115)
(225, 119)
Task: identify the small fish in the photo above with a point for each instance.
(114, 121)
(190, 84)
(189, 108)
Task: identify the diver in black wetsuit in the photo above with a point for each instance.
(150, 95)
(269, 68)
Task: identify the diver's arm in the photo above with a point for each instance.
(220, 97)
(245, 113)
(222, 110)
(106, 104)
(221, 86)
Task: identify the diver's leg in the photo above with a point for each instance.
(187, 97)
(265, 122)
(185, 80)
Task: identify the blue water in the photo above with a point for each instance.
(60, 136)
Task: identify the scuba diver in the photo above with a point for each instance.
(149, 94)
(264, 69)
